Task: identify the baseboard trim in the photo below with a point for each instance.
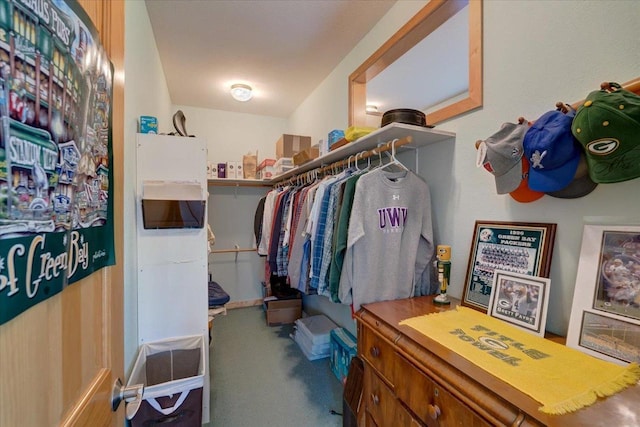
(242, 304)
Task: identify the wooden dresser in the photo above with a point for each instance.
(412, 380)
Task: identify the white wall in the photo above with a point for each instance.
(229, 135)
(327, 107)
(231, 213)
(535, 54)
(146, 93)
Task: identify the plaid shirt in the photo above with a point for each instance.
(282, 254)
(298, 203)
(327, 249)
(318, 239)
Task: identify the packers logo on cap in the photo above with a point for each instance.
(602, 147)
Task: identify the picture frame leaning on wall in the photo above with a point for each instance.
(513, 247)
(520, 300)
(605, 314)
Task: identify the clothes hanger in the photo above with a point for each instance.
(394, 161)
(373, 153)
(355, 162)
(365, 169)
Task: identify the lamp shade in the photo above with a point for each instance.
(241, 92)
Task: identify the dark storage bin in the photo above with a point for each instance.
(353, 393)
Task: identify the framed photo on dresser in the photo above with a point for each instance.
(512, 247)
(520, 300)
(605, 314)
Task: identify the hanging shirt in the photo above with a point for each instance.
(305, 264)
(257, 220)
(298, 274)
(289, 216)
(327, 244)
(282, 253)
(267, 222)
(316, 223)
(276, 227)
(340, 238)
(317, 238)
(390, 216)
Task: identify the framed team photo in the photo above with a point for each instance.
(520, 300)
(512, 247)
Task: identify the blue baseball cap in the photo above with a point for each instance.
(552, 151)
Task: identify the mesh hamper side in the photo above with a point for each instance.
(172, 365)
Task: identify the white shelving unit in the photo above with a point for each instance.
(421, 136)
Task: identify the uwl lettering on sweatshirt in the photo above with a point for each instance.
(392, 219)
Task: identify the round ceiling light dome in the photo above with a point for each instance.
(241, 92)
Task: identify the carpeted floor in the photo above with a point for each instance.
(261, 378)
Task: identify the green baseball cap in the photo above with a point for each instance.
(607, 125)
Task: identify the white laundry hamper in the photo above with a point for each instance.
(172, 371)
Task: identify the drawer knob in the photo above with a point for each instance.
(434, 411)
(375, 351)
(375, 399)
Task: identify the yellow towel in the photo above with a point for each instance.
(561, 378)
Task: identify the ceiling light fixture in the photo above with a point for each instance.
(371, 108)
(241, 92)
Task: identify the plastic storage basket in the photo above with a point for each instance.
(343, 348)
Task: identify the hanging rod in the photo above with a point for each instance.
(224, 251)
(387, 146)
(631, 86)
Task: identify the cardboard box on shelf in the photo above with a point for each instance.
(306, 155)
(212, 170)
(288, 145)
(283, 165)
(148, 124)
(283, 311)
(267, 173)
(340, 143)
(266, 169)
(323, 146)
(250, 165)
(335, 136)
(231, 170)
(222, 170)
(266, 162)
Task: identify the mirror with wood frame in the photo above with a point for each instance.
(432, 16)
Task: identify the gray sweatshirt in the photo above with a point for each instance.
(390, 239)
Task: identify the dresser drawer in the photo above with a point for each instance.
(378, 353)
(431, 403)
(382, 405)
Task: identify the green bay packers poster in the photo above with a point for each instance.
(56, 202)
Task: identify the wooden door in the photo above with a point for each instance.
(59, 359)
